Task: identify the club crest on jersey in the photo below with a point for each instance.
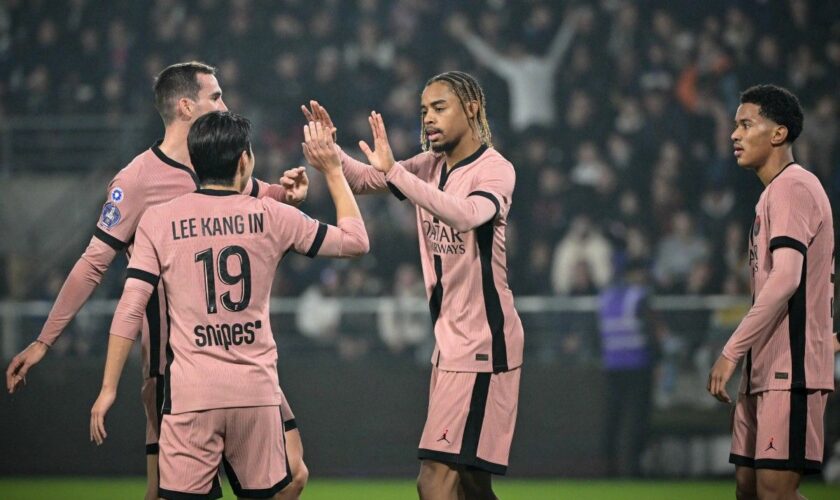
(116, 195)
(756, 226)
(111, 215)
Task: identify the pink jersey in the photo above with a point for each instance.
(150, 179)
(214, 254)
(796, 350)
(461, 220)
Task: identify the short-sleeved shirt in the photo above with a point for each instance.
(150, 179)
(794, 212)
(215, 254)
(476, 326)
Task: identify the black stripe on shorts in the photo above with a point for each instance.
(472, 432)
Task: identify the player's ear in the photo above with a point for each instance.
(780, 133)
(184, 108)
(472, 109)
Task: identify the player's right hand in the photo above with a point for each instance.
(97, 415)
(319, 149)
(318, 113)
(20, 365)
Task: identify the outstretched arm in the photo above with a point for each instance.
(459, 28)
(563, 39)
(769, 307)
(362, 178)
(349, 238)
(77, 289)
(462, 214)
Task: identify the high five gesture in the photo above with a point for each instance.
(381, 157)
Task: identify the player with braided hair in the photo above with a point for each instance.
(468, 90)
(462, 189)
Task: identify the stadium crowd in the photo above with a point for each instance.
(616, 113)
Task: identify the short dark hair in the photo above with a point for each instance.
(777, 104)
(175, 82)
(216, 142)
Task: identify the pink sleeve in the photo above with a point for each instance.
(125, 204)
(79, 285)
(348, 239)
(128, 318)
(144, 263)
(142, 278)
(362, 178)
(770, 305)
(490, 197)
(793, 215)
(307, 236)
(262, 189)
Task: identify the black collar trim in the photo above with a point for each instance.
(217, 192)
(471, 158)
(172, 163)
(445, 173)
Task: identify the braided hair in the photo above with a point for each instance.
(467, 89)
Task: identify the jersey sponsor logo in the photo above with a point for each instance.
(443, 239)
(111, 215)
(226, 335)
(116, 195)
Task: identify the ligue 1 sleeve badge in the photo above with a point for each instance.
(110, 215)
(116, 195)
(756, 226)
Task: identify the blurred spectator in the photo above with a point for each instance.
(319, 314)
(678, 254)
(402, 327)
(582, 259)
(530, 78)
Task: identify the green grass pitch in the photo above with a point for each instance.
(364, 489)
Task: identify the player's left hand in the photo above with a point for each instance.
(296, 183)
(381, 158)
(97, 415)
(721, 373)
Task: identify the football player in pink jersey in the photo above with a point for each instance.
(785, 340)
(215, 252)
(183, 92)
(462, 189)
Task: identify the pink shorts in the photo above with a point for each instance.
(152, 396)
(780, 430)
(471, 419)
(250, 442)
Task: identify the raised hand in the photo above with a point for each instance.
(318, 114)
(20, 365)
(296, 183)
(381, 158)
(319, 149)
